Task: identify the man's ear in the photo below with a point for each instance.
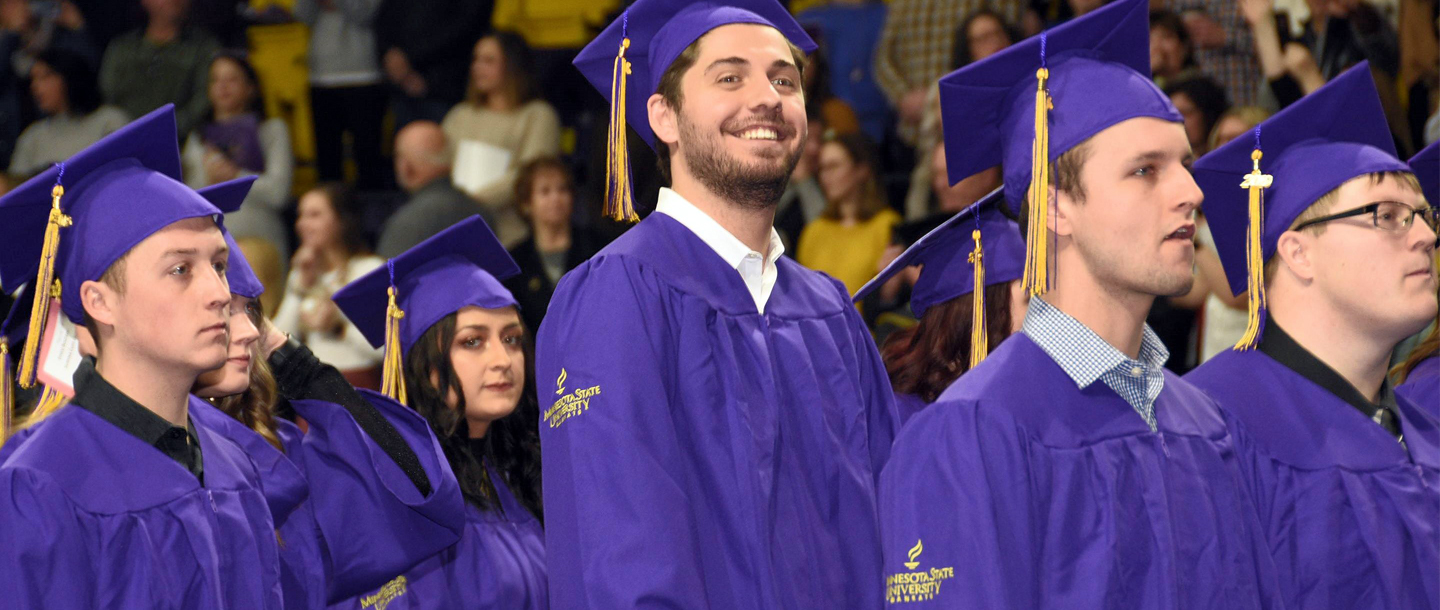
(99, 302)
(663, 120)
(1294, 250)
(1061, 204)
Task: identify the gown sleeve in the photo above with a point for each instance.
(374, 522)
(956, 513)
(299, 375)
(618, 534)
(44, 561)
(882, 415)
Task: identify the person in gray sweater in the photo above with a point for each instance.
(347, 89)
(422, 167)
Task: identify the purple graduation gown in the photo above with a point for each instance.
(698, 454)
(1349, 517)
(373, 522)
(92, 517)
(1422, 386)
(362, 477)
(1017, 490)
(907, 405)
(498, 564)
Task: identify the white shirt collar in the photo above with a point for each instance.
(760, 279)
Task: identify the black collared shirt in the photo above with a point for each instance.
(97, 396)
(1283, 348)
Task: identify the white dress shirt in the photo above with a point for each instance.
(756, 270)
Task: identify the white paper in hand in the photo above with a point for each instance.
(59, 353)
(478, 164)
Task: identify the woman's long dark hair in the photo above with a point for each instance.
(1427, 348)
(926, 358)
(511, 445)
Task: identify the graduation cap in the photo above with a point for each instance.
(394, 305)
(1026, 105)
(975, 248)
(1256, 187)
(12, 330)
(1426, 165)
(625, 63)
(74, 220)
(227, 197)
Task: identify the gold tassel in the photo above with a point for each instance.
(392, 381)
(619, 203)
(50, 402)
(1037, 250)
(7, 391)
(1254, 259)
(40, 312)
(979, 338)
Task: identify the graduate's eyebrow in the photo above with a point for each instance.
(739, 62)
(486, 328)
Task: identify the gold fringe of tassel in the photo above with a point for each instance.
(619, 202)
(50, 402)
(7, 391)
(979, 338)
(45, 277)
(1254, 260)
(1037, 250)
(392, 382)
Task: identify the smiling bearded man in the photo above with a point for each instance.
(719, 414)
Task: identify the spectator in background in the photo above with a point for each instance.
(803, 201)
(501, 111)
(1223, 45)
(1201, 101)
(917, 47)
(165, 62)
(545, 196)
(24, 34)
(853, 231)
(820, 100)
(1289, 69)
(235, 139)
(347, 90)
(332, 252)
(1342, 33)
(982, 34)
(852, 29)
(66, 93)
(424, 49)
(1225, 315)
(422, 167)
(1172, 55)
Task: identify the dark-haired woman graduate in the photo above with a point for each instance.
(457, 353)
(967, 298)
(372, 465)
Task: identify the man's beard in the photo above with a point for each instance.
(749, 185)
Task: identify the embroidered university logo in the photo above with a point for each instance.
(916, 585)
(382, 598)
(569, 405)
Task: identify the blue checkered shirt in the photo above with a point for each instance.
(1085, 357)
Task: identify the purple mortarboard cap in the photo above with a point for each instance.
(458, 267)
(1310, 148)
(659, 30)
(948, 271)
(227, 196)
(625, 63)
(117, 192)
(1099, 75)
(1426, 165)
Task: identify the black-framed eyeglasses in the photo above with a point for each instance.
(1387, 215)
